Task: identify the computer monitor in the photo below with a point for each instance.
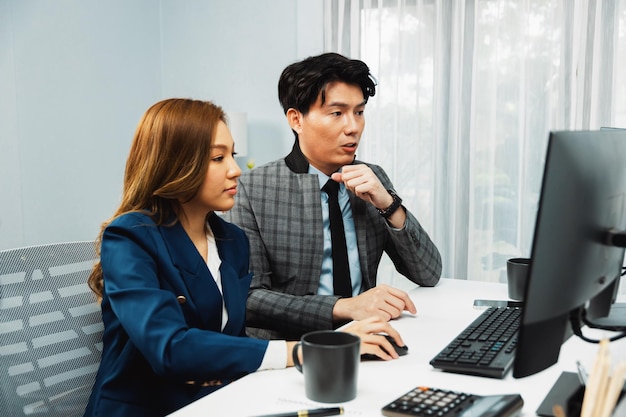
(578, 245)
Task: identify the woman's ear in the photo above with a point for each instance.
(294, 118)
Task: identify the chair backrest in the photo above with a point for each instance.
(50, 330)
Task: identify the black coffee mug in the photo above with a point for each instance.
(330, 365)
(517, 275)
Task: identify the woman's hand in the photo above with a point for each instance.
(372, 341)
(290, 347)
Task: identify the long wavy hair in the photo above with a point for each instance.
(166, 165)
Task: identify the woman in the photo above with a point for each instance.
(173, 276)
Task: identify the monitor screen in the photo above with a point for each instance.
(576, 258)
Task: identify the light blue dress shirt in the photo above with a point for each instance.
(326, 279)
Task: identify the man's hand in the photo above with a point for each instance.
(382, 301)
(362, 182)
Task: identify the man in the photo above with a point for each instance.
(284, 211)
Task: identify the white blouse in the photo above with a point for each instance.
(276, 354)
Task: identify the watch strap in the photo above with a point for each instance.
(397, 202)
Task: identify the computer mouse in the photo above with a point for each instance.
(400, 350)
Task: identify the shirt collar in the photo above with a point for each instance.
(323, 178)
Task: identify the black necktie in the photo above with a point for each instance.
(341, 271)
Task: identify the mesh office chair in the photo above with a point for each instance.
(50, 330)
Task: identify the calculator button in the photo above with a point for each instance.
(428, 402)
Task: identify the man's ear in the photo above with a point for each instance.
(294, 118)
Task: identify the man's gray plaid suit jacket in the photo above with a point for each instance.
(278, 205)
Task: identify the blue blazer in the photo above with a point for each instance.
(163, 346)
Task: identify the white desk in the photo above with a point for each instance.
(443, 311)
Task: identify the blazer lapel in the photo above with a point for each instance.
(235, 295)
(202, 291)
(235, 282)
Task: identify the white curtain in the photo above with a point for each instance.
(468, 92)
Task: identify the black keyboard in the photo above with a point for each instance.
(486, 347)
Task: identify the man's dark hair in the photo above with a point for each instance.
(302, 82)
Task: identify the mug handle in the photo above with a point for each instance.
(296, 358)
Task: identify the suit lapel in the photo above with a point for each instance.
(309, 225)
(202, 289)
(235, 283)
(235, 295)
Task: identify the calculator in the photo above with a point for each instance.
(436, 402)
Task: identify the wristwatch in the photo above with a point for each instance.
(397, 201)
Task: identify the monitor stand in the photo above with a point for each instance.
(615, 320)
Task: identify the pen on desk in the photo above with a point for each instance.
(316, 412)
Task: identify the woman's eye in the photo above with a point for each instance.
(217, 158)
